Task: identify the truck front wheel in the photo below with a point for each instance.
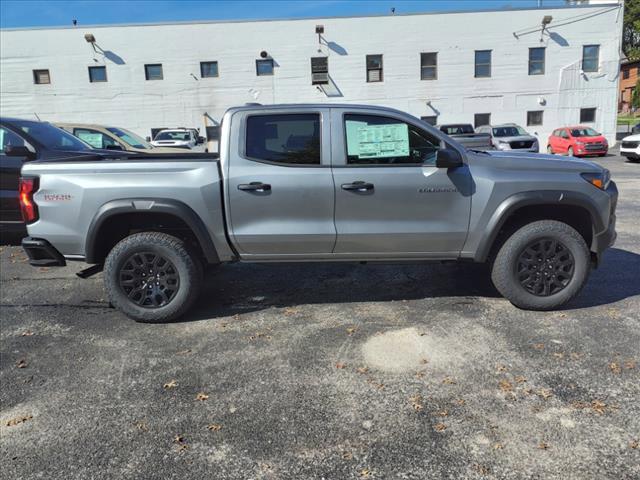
(152, 277)
(542, 265)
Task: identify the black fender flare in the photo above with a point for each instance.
(150, 205)
(525, 199)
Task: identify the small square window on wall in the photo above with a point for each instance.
(587, 115)
(430, 119)
(153, 71)
(534, 118)
(208, 69)
(429, 66)
(264, 67)
(536, 60)
(480, 119)
(97, 74)
(483, 64)
(41, 77)
(374, 68)
(590, 58)
(625, 73)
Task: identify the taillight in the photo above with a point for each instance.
(27, 187)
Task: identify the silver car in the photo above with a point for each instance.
(510, 136)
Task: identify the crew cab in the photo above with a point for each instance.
(319, 183)
(466, 136)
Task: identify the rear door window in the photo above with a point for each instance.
(94, 138)
(288, 139)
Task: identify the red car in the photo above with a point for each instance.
(577, 142)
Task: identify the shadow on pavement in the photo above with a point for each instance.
(242, 288)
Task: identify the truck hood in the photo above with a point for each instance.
(537, 161)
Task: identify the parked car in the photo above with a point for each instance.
(464, 133)
(630, 147)
(23, 141)
(112, 138)
(541, 221)
(510, 136)
(183, 137)
(577, 141)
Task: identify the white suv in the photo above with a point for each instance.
(630, 147)
(179, 137)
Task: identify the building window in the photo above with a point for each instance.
(590, 58)
(290, 139)
(208, 69)
(625, 73)
(429, 66)
(264, 67)
(40, 77)
(430, 119)
(483, 63)
(374, 68)
(534, 118)
(587, 115)
(97, 74)
(480, 119)
(536, 60)
(153, 71)
(368, 142)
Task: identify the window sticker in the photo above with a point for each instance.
(93, 139)
(377, 141)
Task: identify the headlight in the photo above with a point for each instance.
(599, 180)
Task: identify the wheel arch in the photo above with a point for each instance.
(574, 208)
(123, 214)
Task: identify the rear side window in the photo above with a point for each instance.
(94, 138)
(375, 140)
(289, 139)
(8, 138)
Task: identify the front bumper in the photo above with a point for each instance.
(41, 253)
(634, 154)
(606, 238)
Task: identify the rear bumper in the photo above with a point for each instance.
(41, 253)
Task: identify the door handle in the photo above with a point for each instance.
(254, 187)
(358, 186)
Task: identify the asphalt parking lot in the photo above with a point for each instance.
(326, 371)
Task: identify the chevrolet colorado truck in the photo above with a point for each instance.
(318, 183)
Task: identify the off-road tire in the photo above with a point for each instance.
(187, 266)
(504, 269)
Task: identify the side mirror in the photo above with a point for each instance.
(114, 147)
(148, 139)
(200, 140)
(448, 158)
(19, 151)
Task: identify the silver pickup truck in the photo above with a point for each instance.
(318, 183)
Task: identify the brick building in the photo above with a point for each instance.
(629, 74)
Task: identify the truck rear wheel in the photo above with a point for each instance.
(152, 277)
(542, 265)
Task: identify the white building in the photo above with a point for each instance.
(453, 66)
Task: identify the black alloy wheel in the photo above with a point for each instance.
(149, 280)
(545, 267)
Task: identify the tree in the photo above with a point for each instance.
(635, 97)
(631, 30)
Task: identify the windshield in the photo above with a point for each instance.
(584, 132)
(510, 131)
(51, 137)
(169, 135)
(129, 138)
(456, 129)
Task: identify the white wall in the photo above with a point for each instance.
(129, 101)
